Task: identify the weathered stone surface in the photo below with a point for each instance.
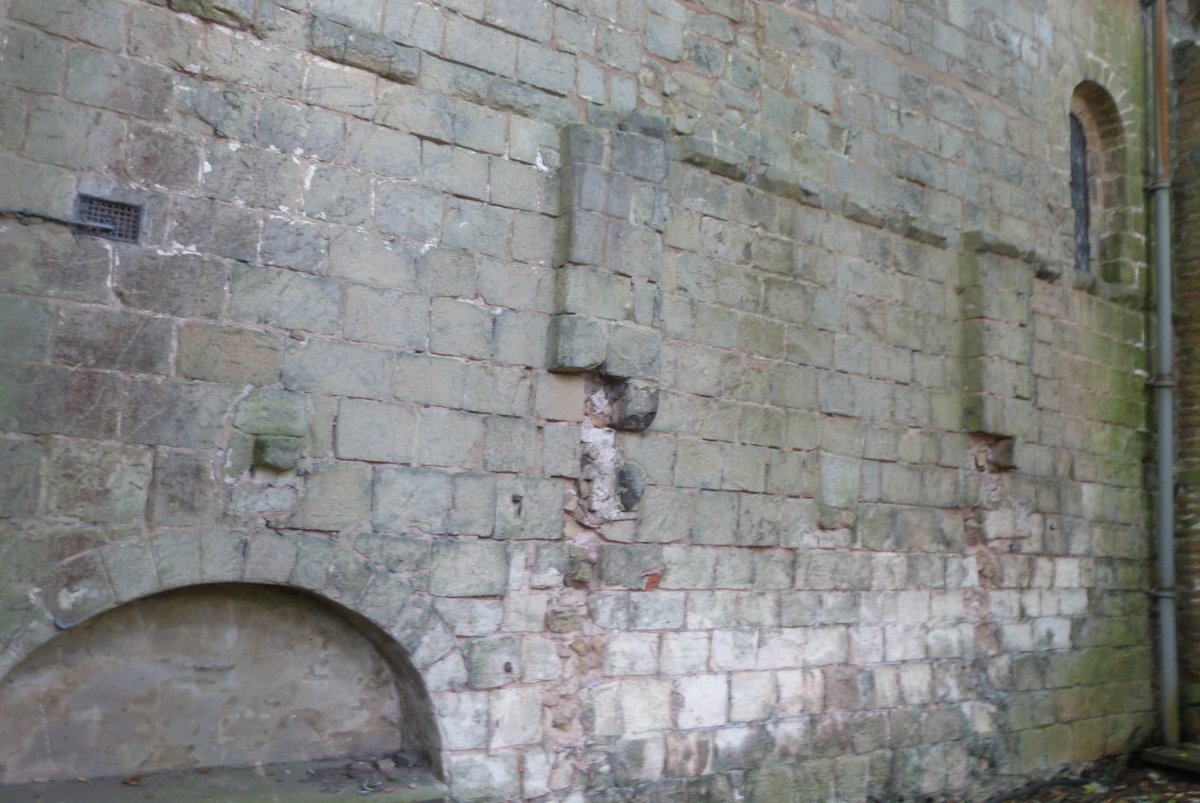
(221, 229)
(156, 159)
(516, 717)
(20, 478)
(273, 412)
(25, 327)
(469, 569)
(185, 489)
(336, 497)
(510, 444)
(365, 50)
(184, 285)
(410, 498)
(254, 498)
(101, 79)
(337, 368)
(529, 508)
(633, 352)
(234, 13)
(227, 354)
(173, 413)
(387, 317)
(479, 779)
(474, 511)
(56, 140)
(294, 244)
(576, 343)
(494, 662)
(466, 715)
(635, 406)
(284, 298)
(42, 399)
(100, 338)
(629, 566)
(277, 452)
(231, 175)
(46, 260)
(100, 482)
(367, 430)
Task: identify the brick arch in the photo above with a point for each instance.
(379, 603)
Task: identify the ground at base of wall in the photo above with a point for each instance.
(1119, 781)
(309, 782)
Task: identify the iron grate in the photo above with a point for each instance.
(112, 220)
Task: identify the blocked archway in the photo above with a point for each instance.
(218, 674)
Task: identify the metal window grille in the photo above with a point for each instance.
(112, 220)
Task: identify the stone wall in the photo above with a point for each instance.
(699, 395)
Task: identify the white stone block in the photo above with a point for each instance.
(516, 715)
(683, 653)
(751, 696)
(801, 691)
(463, 717)
(703, 701)
(733, 649)
(631, 654)
(645, 705)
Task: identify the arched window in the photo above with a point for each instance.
(1097, 155)
(1079, 195)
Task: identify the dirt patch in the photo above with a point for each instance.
(1114, 783)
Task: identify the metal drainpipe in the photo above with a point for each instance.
(1164, 391)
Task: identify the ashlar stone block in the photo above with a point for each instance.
(176, 413)
(411, 498)
(268, 411)
(376, 432)
(494, 662)
(100, 481)
(20, 478)
(468, 569)
(577, 343)
(336, 496)
(231, 355)
(367, 51)
(516, 715)
(185, 489)
(529, 507)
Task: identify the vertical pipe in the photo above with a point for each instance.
(1164, 392)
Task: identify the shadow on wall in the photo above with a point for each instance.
(212, 675)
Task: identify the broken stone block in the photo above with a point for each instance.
(635, 404)
(631, 485)
(576, 343)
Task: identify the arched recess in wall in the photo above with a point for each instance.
(1101, 206)
(208, 675)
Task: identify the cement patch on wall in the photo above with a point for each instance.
(203, 676)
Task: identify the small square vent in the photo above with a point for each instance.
(112, 220)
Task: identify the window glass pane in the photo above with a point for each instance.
(1079, 194)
